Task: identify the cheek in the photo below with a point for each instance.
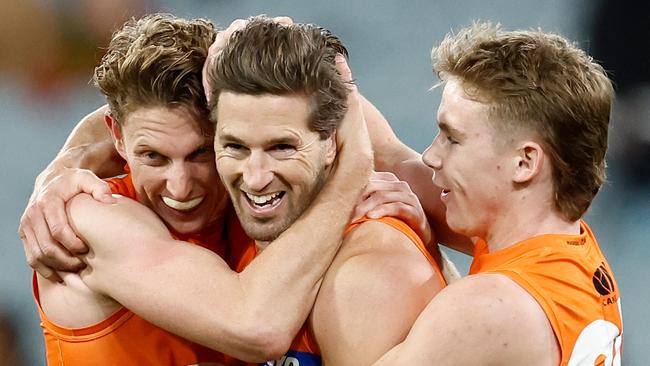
(227, 168)
(147, 180)
(309, 162)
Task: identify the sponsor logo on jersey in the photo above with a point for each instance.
(295, 358)
(604, 284)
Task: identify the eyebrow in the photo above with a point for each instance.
(271, 141)
(449, 130)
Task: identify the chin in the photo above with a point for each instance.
(187, 227)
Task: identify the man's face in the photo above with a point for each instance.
(271, 163)
(471, 169)
(172, 165)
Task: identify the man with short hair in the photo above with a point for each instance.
(277, 102)
(519, 157)
(137, 263)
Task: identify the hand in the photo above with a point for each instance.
(48, 239)
(219, 44)
(386, 195)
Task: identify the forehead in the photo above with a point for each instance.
(460, 111)
(266, 116)
(160, 118)
(158, 123)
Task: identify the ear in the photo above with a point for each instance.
(116, 133)
(529, 161)
(330, 149)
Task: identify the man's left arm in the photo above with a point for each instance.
(372, 293)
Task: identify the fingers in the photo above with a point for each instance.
(220, 42)
(53, 227)
(386, 195)
(343, 68)
(48, 239)
(45, 248)
(284, 20)
(32, 252)
(100, 190)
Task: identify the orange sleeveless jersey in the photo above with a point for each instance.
(571, 280)
(124, 338)
(304, 350)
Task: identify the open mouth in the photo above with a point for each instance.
(264, 201)
(444, 192)
(183, 205)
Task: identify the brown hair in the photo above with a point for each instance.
(539, 82)
(268, 58)
(156, 60)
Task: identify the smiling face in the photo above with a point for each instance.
(170, 155)
(271, 163)
(473, 171)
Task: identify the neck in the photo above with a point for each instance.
(519, 225)
(261, 245)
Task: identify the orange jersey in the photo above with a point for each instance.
(124, 338)
(571, 280)
(304, 350)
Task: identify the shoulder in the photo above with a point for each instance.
(377, 254)
(377, 236)
(87, 215)
(494, 316)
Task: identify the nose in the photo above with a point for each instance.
(257, 173)
(431, 157)
(179, 182)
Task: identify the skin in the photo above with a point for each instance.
(264, 147)
(141, 267)
(276, 158)
(171, 159)
(488, 313)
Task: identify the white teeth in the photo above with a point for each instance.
(183, 206)
(444, 192)
(263, 199)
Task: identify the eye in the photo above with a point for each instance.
(235, 150)
(233, 147)
(451, 140)
(152, 158)
(202, 154)
(280, 151)
(152, 155)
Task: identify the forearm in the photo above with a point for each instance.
(191, 292)
(292, 267)
(392, 155)
(89, 146)
(389, 150)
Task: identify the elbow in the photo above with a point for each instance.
(262, 342)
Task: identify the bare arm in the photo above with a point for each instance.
(392, 155)
(479, 320)
(89, 146)
(190, 291)
(371, 295)
(47, 237)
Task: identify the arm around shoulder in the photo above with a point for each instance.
(479, 320)
(183, 288)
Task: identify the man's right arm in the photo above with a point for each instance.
(47, 237)
(252, 315)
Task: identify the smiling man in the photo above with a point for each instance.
(155, 255)
(518, 160)
(277, 104)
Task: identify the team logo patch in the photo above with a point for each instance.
(603, 281)
(295, 358)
